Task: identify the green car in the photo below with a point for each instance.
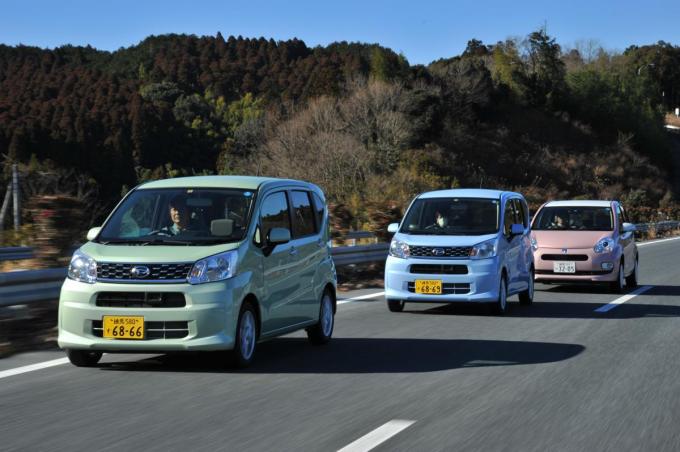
(201, 263)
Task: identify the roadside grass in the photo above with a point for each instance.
(361, 276)
(672, 120)
(653, 234)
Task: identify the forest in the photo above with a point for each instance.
(357, 119)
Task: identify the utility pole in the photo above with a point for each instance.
(15, 194)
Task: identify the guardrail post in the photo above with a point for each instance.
(5, 206)
(15, 194)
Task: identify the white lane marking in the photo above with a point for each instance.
(623, 299)
(362, 297)
(377, 436)
(32, 367)
(657, 241)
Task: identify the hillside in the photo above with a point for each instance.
(355, 118)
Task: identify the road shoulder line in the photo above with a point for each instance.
(652, 242)
(612, 304)
(32, 367)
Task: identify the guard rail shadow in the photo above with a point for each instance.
(29, 286)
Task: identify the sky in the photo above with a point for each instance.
(422, 30)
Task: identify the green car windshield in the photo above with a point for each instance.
(179, 216)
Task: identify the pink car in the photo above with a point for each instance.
(584, 241)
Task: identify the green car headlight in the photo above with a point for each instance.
(82, 268)
(214, 268)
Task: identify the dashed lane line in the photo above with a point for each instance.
(378, 436)
(612, 304)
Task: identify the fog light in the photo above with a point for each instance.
(607, 265)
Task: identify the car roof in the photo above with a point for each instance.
(467, 193)
(579, 203)
(240, 182)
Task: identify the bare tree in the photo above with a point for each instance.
(338, 142)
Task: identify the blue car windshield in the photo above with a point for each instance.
(179, 216)
(452, 216)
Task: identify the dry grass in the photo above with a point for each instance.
(10, 266)
(363, 276)
(672, 120)
(652, 234)
(23, 264)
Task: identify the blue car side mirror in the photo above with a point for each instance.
(516, 229)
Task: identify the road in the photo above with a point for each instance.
(557, 375)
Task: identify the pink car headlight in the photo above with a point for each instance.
(604, 245)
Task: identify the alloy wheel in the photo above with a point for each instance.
(247, 334)
(327, 316)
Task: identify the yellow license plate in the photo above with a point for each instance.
(123, 327)
(429, 286)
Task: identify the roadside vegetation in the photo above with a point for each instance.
(372, 130)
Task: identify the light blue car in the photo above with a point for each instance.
(461, 245)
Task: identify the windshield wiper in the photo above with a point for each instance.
(168, 241)
(123, 242)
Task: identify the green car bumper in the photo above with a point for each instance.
(206, 322)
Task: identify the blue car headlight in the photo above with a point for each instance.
(484, 250)
(214, 268)
(399, 249)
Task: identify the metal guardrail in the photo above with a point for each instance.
(40, 285)
(25, 252)
(15, 253)
(28, 286)
(661, 226)
(360, 254)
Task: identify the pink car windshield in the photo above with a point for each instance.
(574, 219)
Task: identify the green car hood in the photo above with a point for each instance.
(153, 254)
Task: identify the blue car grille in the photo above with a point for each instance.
(438, 269)
(440, 251)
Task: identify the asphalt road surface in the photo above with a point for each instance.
(563, 374)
